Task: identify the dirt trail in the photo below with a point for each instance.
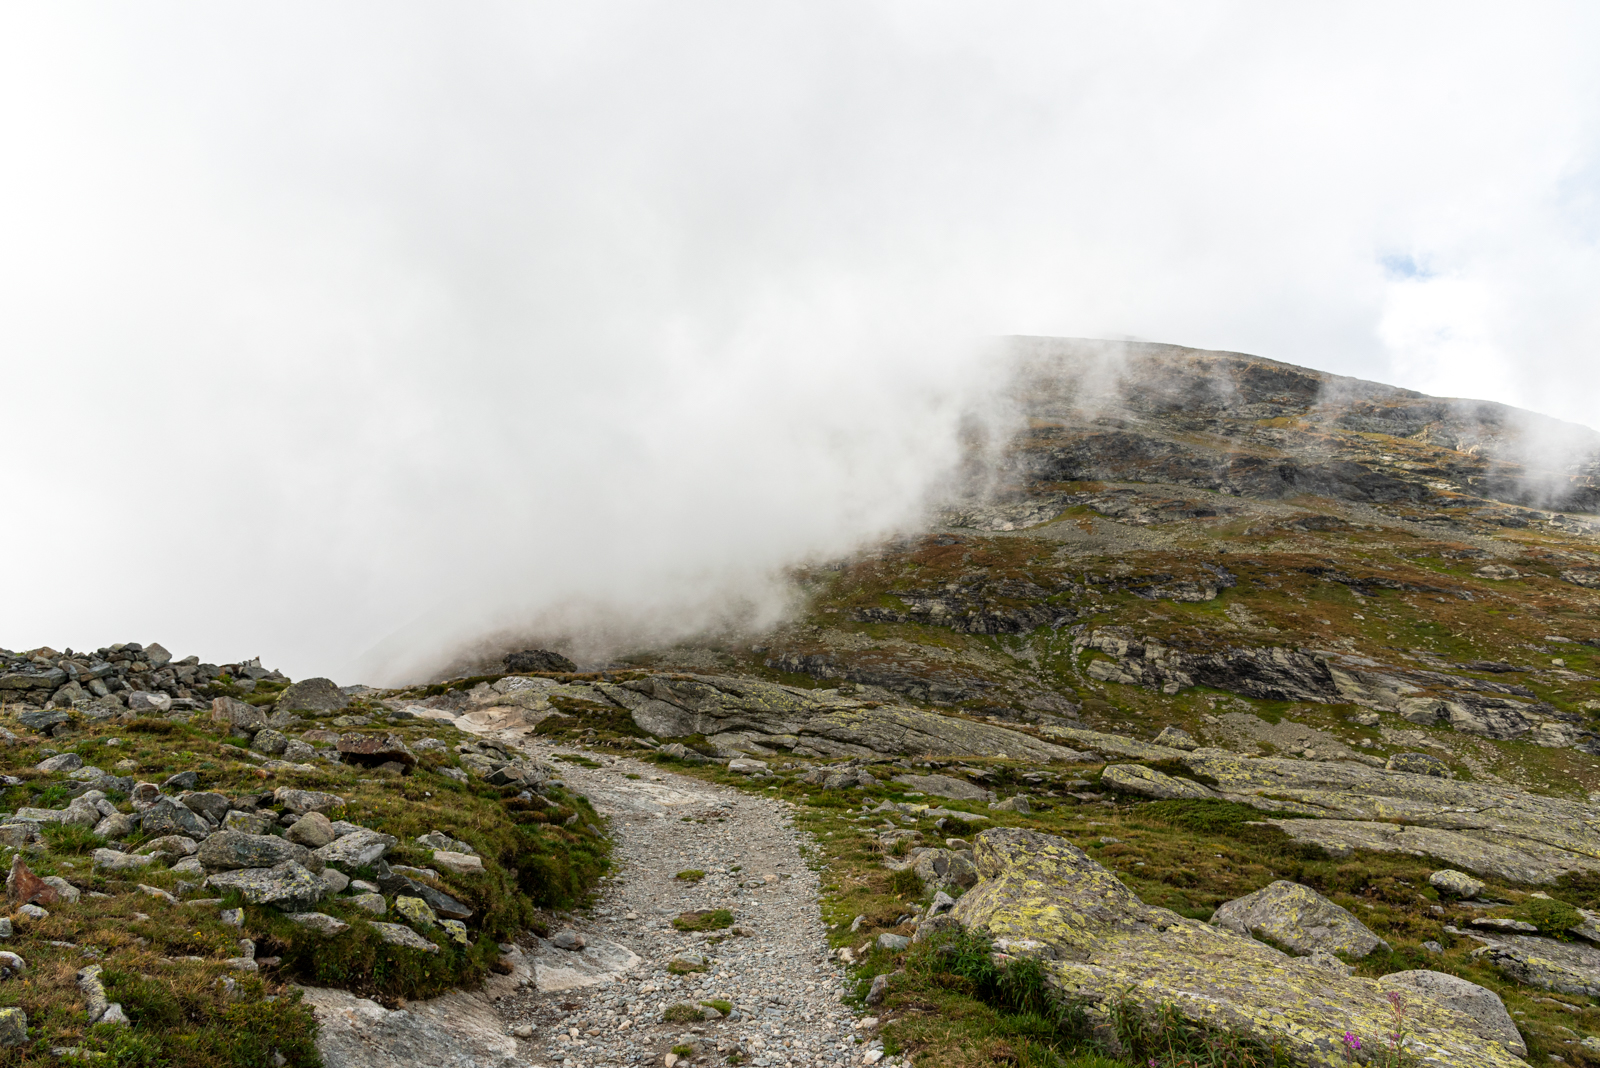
(602, 1005)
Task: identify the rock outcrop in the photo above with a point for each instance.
(1042, 896)
(1299, 919)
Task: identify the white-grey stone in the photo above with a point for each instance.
(1483, 1005)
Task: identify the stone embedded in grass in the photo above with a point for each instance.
(289, 885)
(320, 922)
(1176, 738)
(373, 903)
(397, 934)
(230, 850)
(1148, 782)
(1455, 883)
(460, 863)
(456, 930)
(1017, 804)
(1419, 764)
(356, 850)
(302, 801)
(170, 845)
(892, 942)
(313, 830)
(116, 825)
(416, 911)
(13, 1027)
(156, 891)
(24, 888)
(704, 920)
(1298, 918)
(60, 762)
(166, 817)
(270, 742)
(33, 912)
(685, 963)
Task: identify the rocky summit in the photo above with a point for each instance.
(1227, 712)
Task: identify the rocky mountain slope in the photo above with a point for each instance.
(1232, 710)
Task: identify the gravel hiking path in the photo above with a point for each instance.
(772, 966)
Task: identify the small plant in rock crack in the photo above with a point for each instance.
(1389, 1051)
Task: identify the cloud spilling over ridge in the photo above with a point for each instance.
(387, 326)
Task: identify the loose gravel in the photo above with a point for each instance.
(772, 966)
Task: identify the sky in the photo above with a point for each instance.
(348, 335)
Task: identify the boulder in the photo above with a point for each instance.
(1042, 896)
(398, 934)
(289, 886)
(302, 801)
(371, 750)
(43, 722)
(13, 1028)
(460, 863)
(1565, 967)
(248, 822)
(458, 1030)
(231, 715)
(209, 804)
(747, 766)
(183, 780)
(231, 850)
(1455, 883)
(1147, 782)
(530, 660)
(1176, 738)
(60, 762)
(270, 742)
(1480, 1003)
(320, 922)
(312, 695)
(356, 850)
(166, 817)
(25, 888)
(1299, 919)
(146, 701)
(171, 845)
(116, 825)
(313, 830)
(416, 911)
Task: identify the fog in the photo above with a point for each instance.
(347, 335)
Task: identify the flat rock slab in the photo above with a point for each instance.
(1567, 967)
(944, 786)
(1480, 1003)
(598, 962)
(456, 1031)
(1506, 857)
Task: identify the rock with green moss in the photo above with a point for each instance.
(1040, 895)
(1299, 919)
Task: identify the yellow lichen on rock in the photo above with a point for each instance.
(1100, 942)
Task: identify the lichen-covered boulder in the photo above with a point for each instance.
(1480, 1003)
(288, 886)
(1041, 895)
(1147, 782)
(312, 695)
(1299, 919)
(1455, 883)
(231, 850)
(1566, 967)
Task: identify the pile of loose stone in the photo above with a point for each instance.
(118, 677)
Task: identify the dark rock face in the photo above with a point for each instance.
(372, 750)
(312, 695)
(538, 660)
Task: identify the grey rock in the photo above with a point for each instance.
(13, 1027)
(209, 804)
(1177, 738)
(1298, 918)
(64, 890)
(183, 780)
(401, 935)
(460, 1030)
(166, 817)
(335, 880)
(229, 715)
(233, 917)
(1419, 764)
(320, 922)
(298, 752)
(892, 942)
(115, 826)
(568, 939)
(313, 830)
(302, 801)
(356, 850)
(1455, 883)
(146, 701)
(246, 822)
(312, 695)
(1017, 803)
(171, 845)
(372, 903)
(880, 987)
(269, 741)
(230, 850)
(43, 722)
(1483, 1005)
(1147, 782)
(111, 860)
(189, 866)
(60, 762)
(289, 886)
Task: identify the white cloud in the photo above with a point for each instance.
(320, 322)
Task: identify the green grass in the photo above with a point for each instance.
(706, 920)
(682, 1012)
